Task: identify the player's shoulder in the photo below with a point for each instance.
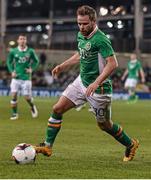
(101, 36)
(101, 33)
(31, 50)
(12, 50)
(79, 35)
(139, 62)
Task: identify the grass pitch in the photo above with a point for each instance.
(81, 150)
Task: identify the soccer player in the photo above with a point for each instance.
(133, 71)
(21, 62)
(97, 61)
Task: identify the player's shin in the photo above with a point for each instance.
(132, 94)
(30, 102)
(117, 132)
(34, 111)
(54, 125)
(14, 106)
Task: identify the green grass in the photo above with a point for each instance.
(81, 150)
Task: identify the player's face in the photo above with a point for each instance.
(86, 26)
(22, 41)
(133, 56)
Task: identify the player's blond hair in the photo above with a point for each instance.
(87, 10)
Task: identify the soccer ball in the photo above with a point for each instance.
(24, 153)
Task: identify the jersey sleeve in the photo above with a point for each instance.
(139, 65)
(35, 60)
(105, 48)
(10, 61)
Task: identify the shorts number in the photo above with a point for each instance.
(99, 112)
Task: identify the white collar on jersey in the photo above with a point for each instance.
(92, 33)
(134, 61)
(20, 49)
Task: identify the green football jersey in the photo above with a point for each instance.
(133, 69)
(93, 51)
(18, 61)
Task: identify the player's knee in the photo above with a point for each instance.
(105, 126)
(57, 109)
(28, 98)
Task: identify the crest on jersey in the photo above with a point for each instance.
(132, 66)
(88, 46)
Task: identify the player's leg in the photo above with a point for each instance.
(70, 98)
(119, 134)
(54, 125)
(130, 85)
(14, 89)
(30, 101)
(55, 120)
(102, 110)
(127, 87)
(13, 102)
(27, 92)
(132, 94)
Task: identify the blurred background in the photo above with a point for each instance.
(51, 29)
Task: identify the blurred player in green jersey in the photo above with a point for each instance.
(133, 71)
(97, 61)
(21, 62)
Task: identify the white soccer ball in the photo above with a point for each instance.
(24, 153)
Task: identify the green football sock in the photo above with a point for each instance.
(132, 97)
(54, 125)
(14, 106)
(14, 110)
(120, 135)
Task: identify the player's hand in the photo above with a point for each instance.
(91, 88)
(14, 74)
(29, 70)
(56, 71)
(143, 81)
(122, 78)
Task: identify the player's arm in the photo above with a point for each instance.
(124, 75)
(66, 64)
(111, 65)
(10, 63)
(34, 62)
(142, 75)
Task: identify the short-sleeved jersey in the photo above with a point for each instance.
(93, 51)
(133, 69)
(18, 61)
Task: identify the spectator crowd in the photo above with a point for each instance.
(42, 77)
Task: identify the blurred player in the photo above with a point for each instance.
(21, 62)
(83, 106)
(133, 72)
(97, 61)
(79, 108)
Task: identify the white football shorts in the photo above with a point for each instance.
(23, 86)
(130, 83)
(100, 103)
